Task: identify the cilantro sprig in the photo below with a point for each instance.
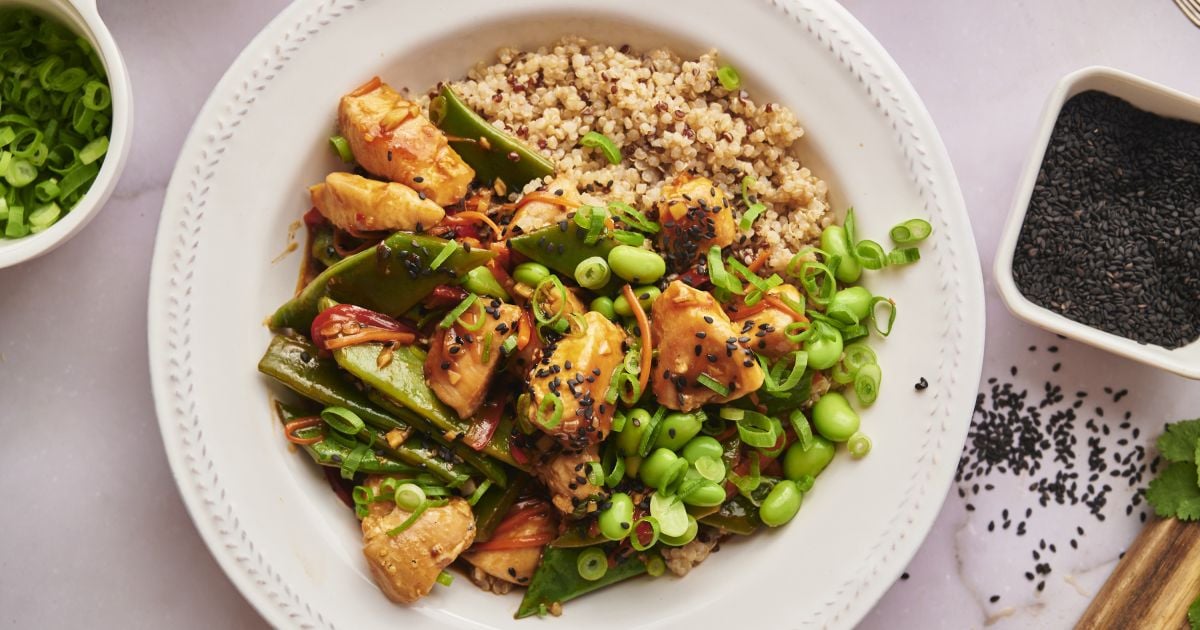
(1176, 491)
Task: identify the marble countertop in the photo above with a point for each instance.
(95, 534)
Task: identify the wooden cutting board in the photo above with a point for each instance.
(1154, 584)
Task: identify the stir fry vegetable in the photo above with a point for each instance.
(557, 391)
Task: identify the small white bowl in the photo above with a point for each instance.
(81, 16)
(1145, 95)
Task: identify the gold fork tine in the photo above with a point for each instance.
(1191, 9)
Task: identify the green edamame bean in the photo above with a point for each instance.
(636, 264)
(604, 306)
(481, 281)
(781, 504)
(677, 429)
(530, 273)
(824, 348)
(850, 305)
(836, 242)
(617, 521)
(592, 273)
(702, 446)
(645, 295)
(659, 468)
(637, 422)
(833, 418)
(707, 494)
(798, 462)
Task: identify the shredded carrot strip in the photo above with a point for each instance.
(781, 305)
(501, 276)
(526, 332)
(644, 328)
(367, 87)
(478, 216)
(759, 261)
(289, 430)
(369, 335)
(545, 196)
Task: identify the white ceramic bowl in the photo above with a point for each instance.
(81, 16)
(267, 514)
(1145, 95)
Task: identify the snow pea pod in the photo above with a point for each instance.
(557, 579)
(494, 505)
(736, 516)
(491, 152)
(331, 454)
(390, 278)
(295, 362)
(402, 383)
(563, 249)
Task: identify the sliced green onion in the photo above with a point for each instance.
(670, 512)
(408, 522)
(354, 460)
(77, 178)
(6, 135)
(732, 413)
(891, 307)
(15, 226)
(96, 96)
(447, 251)
(595, 140)
(866, 384)
(904, 256)
(409, 497)
(858, 445)
(724, 282)
(540, 297)
(625, 237)
(757, 430)
(46, 190)
(619, 421)
(635, 540)
(856, 355)
(650, 433)
(911, 231)
(480, 490)
(870, 255)
(713, 384)
(771, 374)
(454, 314)
(94, 150)
(804, 435)
(710, 468)
(20, 173)
(487, 348)
(617, 474)
(632, 217)
(753, 209)
(508, 345)
(729, 78)
(342, 420)
(342, 148)
(555, 409)
(593, 273)
(629, 388)
(592, 564)
(445, 579)
(818, 281)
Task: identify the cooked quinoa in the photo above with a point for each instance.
(669, 116)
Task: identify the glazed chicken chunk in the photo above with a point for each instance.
(456, 369)
(577, 369)
(406, 566)
(532, 215)
(693, 337)
(516, 566)
(767, 326)
(391, 138)
(358, 204)
(564, 473)
(695, 215)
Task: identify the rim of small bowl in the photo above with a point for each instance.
(84, 19)
(1184, 360)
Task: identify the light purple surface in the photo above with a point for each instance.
(94, 532)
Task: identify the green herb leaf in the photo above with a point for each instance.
(1175, 493)
(1194, 614)
(1178, 442)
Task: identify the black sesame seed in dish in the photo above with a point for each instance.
(1111, 238)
